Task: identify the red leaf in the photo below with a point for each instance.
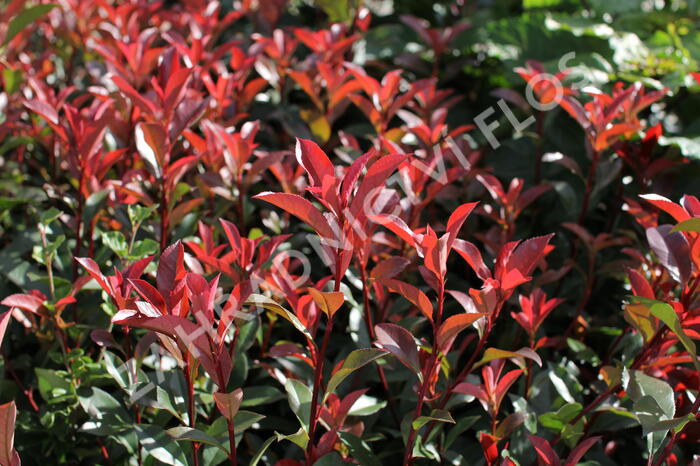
(580, 450)
(8, 414)
(26, 302)
(472, 255)
(640, 286)
(151, 144)
(456, 220)
(390, 267)
(545, 453)
(673, 251)
(668, 206)
(376, 177)
(42, 108)
(150, 294)
(229, 403)
(4, 320)
(171, 270)
(453, 325)
(399, 342)
(396, 225)
(300, 208)
(489, 444)
(528, 254)
(94, 270)
(411, 293)
(314, 160)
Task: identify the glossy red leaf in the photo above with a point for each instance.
(399, 342)
(300, 208)
(411, 293)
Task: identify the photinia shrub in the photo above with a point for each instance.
(331, 232)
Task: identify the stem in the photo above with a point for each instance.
(372, 337)
(191, 411)
(590, 277)
(232, 442)
(589, 187)
(465, 371)
(408, 452)
(318, 376)
(538, 154)
(163, 217)
(48, 258)
(79, 229)
(528, 379)
(320, 358)
(229, 422)
(241, 207)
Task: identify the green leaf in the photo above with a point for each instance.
(26, 17)
(459, 428)
(355, 360)
(529, 4)
(245, 420)
(557, 420)
(641, 385)
(164, 401)
(439, 415)
(143, 248)
(299, 396)
(337, 10)
(270, 305)
(160, 445)
(256, 396)
(692, 224)
(299, 438)
(107, 416)
(194, 435)
(668, 316)
(54, 386)
(10, 202)
(115, 241)
(491, 354)
(138, 213)
(12, 79)
(331, 459)
(359, 449)
(366, 406)
(49, 216)
(93, 204)
(258, 456)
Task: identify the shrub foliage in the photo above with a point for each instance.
(347, 232)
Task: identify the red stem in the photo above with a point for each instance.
(164, 221)
(372, 337)
(191, 411)
(408, 452)
(320, 358)
(589, 187)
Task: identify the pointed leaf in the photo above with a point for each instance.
(229, 403)
(411, 293)
(439, 415)
(453, 325)
(300, 208)
(491, 354)
(270, 305)
(328, 301)
(399, 342)
(355, 360)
